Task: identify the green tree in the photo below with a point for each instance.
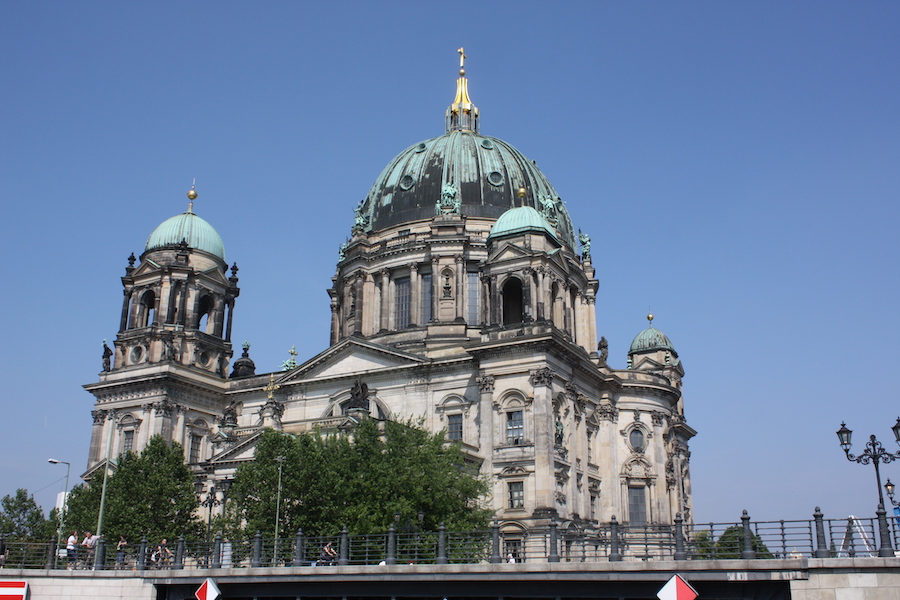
(22, 519)
(731, 543)
(359, 481)
(151, 494)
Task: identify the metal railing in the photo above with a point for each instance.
(556, 542)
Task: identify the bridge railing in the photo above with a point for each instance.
(503, 542)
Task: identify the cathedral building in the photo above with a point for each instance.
(464, 297)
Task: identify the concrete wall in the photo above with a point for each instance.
(849, 579)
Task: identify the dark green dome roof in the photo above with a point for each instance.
(651, 339)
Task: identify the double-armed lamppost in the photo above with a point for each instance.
(875, 454)
(211, 500)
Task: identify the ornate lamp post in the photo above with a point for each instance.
(875, 454)
(889, 488)
(209, 502)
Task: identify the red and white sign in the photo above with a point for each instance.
(208, 590)
(677, 589)
(13, 590)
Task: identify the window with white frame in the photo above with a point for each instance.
(455, 428)
(516, 494)
(515, 427)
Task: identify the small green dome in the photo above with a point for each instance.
(651, 339)
(519, 220)
(197, 233)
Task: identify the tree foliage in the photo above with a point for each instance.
(359, 481)
(730, 544)
(150, 494)
(22, 519)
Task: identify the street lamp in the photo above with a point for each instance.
(889, 488)
(280, 460)
(875, 454)
(62, 514)
(209, 502)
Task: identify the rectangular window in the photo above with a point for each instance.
(127, 441)
(513, 551)
(401, 294)
(426, 299)
(515, 427)
(472, 299)
(593, 507)
(516, 494)
(637, 505)
(195, 449)
(455, 427)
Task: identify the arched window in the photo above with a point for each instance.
(512, 301)
(204, 313)
(146, 313)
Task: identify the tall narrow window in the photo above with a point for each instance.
(515, 427)
(512, 302)
(426, 298)
(195, 448)
(127, 440)
(637, 505)
(401, 293)
(455, 427)
(472, 298)
(516, 491)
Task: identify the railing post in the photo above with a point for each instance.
(495, 542)
(256, 559)
(821, 545)
(886, 548)
(391, 547)
(298, 549)
(345, 547)
(748, 553)
(614, 555)
(554, 542)
(680, 554)
(142, 554)
(179, 553)
(51, 556)
(100, 554)
(217, 551)
(442, 545)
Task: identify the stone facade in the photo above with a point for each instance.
(460, 299)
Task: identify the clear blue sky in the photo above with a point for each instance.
(735, 163)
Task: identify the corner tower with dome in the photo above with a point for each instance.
(461, 298)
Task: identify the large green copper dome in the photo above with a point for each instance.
(187, 227)
(474, 175)
(651, 339)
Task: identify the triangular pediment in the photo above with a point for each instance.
(240, 450)
(352, 356)
(508, 251)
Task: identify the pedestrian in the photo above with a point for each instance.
(120, 552)
(162, 555)
(4, 552)
(90, 543)
(326, 556)
(72, 550)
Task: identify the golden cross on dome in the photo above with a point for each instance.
(462, 58)
(271, 388)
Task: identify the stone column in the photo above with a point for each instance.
(335, 322)
(592, 323)
(578, 334)
(123, 322)
(230, 318)
(495, 303)
(369, 316)
(543, 427)
(385, 299)
(460, 287)
(528, 296)
(486, 419)
(218, 316)
(485, 299)
(541, 299)
(415, 295)
(360, 303)
(435, 288)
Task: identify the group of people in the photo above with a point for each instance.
(160, 557)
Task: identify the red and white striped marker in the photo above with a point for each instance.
(208, 590)
(677, 589)
(13, 590)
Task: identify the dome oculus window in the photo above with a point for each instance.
(487, 144)
(137, 353)
(406, 182)
(495, 178)
(421, 147)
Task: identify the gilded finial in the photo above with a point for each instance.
(650, 318)
(192, 195)
(462, 115)
(462, 62)
(520, 194)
